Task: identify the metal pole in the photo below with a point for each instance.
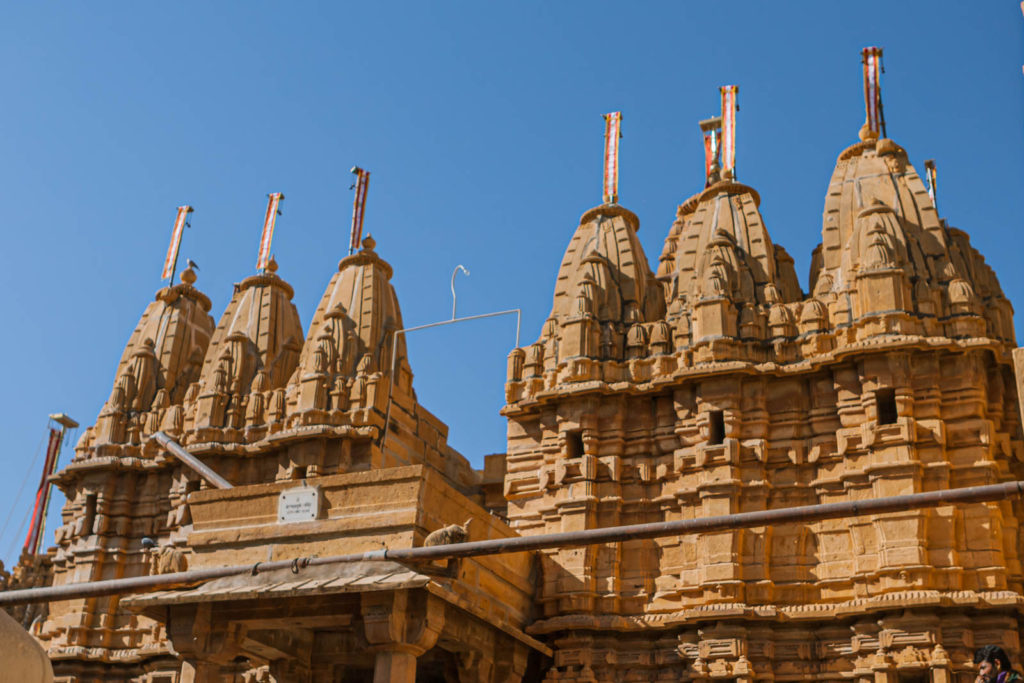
(200, 468)
(65, 423)
(568, 539)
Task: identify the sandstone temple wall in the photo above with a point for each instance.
(707, 386)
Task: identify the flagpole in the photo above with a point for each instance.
(871, 58)
(711, 131)
(362, 187)
(612, 133)
(174, 249)
(267, 238)
(729, 107)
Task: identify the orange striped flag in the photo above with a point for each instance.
(712, 130)
(358, 208)
(171, 262)
(872, 59)
(729, 108)
(273, 211)
(931, 178)
(612, 133)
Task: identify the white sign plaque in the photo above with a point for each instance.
(300, 504)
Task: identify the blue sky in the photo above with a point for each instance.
(481, 124)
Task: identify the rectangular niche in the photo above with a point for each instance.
(885, 405)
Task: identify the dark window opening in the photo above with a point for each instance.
(574, 444)
(360, 458)
(913, 677)
(716, 427)
(885, 401)
(299, 472)
(89, 514)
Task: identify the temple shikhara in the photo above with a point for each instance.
(705, 384)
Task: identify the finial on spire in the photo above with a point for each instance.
(729, 108)
(171, 262)
(874, 126)
(712, 131)
(931, 180)
(273, 211)
(362, 186)
(612, 133)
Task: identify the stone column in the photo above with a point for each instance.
(395, 665)
(883, 668)
(400, 626)
(203, 643)
(941, 666)
(198, 671)
(510, 662)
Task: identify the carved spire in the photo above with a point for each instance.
(605, 274)
(879, 214)
(352, 332)
(258, 332)
(162, 354)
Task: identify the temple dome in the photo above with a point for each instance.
(259, 333)
(605, 246)
(876, 176)
(175, 329)
(352, 330)
(605, 278)
(879, 215)
(162, 358)
(729, 211)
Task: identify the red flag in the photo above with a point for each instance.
(171, 262)
(612, 133)
(931, 178)
(268, 229)
(872, 59)
(358, 208)
(712, 130)
(729, 107)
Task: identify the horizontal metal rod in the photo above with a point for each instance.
(568, 539)
(394, 351)
(200, 468)
(461, 320)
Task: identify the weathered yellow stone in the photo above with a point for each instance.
(711, 387)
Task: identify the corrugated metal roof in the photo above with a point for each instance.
(357, 577)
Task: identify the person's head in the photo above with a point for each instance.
(991, 659)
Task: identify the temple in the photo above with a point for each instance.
(709, 384)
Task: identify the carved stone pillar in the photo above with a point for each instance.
(202, 644)
(475, 668)
(394, 666)
(510, 662)
(400, 626)
(198, 671)
(941, 666)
